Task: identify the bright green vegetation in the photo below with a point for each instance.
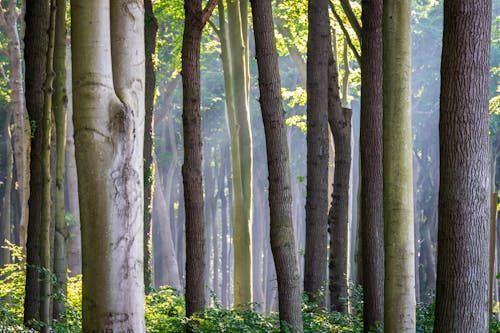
(165, 311)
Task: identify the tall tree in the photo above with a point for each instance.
(234, 54)
(150, 30)
(60, 100)
(372, 215)
(195, 20)
(280, 196)
(463, 231)
(36, 41)
(317, 148)
(399, 282)
(108, 86)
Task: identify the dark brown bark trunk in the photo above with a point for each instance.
(371, 164)
(463, 232)
(280, 196)
(195, 19)
(36, 42)
(150, 30)
(338, 218)
(317, 149)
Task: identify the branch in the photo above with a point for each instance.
(207, 12)
(217, 31)
(346, 33)
(346, 6)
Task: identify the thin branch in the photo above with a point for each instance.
(217, 30)
(207, 12)
(353, 20)
(346, 33)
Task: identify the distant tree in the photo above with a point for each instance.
(317, 149)
(463, 233)
(399, 283)
(108, 85)
(280, 196)
(195, 20)
(372, 216)
(36, 41)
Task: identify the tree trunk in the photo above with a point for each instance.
(36, 42)
(150, 30)
(195, 20)
(6, 215)
(463, 232)
(60, 101)
(280, 196)
(317, 149)
(338, 218)
(108, 83)
(399, 283)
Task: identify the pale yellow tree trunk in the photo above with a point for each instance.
(399, 287)
(108, 88)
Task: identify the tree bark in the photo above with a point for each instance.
(60, 100)
(108, 85)
(280, 196)
(150, 30)
(399, 283)
(372, 210)
(6, 215)
(195, 20)
(463, 232)
(317, 149)
(36, 40)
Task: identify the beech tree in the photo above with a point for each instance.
(463, 230)
(280, 196)
(108, 94)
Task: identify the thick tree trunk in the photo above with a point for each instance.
(60, 101)
(195, 20)
(278, 164)
(399, 283)
(36, 42)
(150, 30)
(108, 83)
(317, 149)
(370, 137)
(463, 233)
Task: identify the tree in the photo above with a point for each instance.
(108, 87)
(399, 282)
(195, 20)
(36, 40)
(463, 233)
(60, 101)
(372, 215)
(317, 148)
(280, 196)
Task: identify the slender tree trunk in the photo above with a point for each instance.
(36, 42)
(6, 215)
(108, 83)
(399, 283)
(463, 232)
(224, 232)
(195, 20)
(338, 219)
(60, 101)
(317, 149)
(278, 164)
(150, 30)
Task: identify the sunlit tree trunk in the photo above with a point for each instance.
(372, 216)
(463, 232)
(36, 42)
(280, 196)
(399, 283)
(150, 30)
(60, 100)
(317, 149)
(108, 86)
(195, 20)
